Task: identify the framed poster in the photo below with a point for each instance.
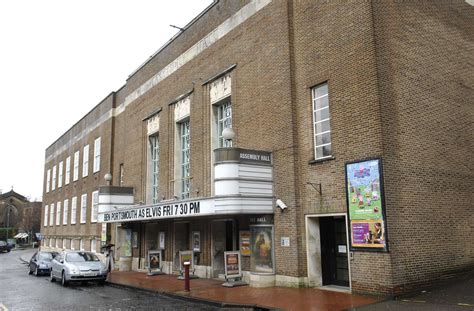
(162, 240)
(244, 239)
(196, 238)
(232, 265)
(134, 239)
(366, 208)
(154, 261)
(261, 259)
(127, 243)
(186, 256)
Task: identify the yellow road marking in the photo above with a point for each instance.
(465, 304)
(2, 307)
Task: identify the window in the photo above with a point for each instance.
(64, 243)
(81, 244)
(50, 242)
(51, 215)
(85, 161)
(154, 167)
(321, 122)
(48, 180)
(60, 174)
(224, 120)
(53, 184)
(72, 244)
(57, 243)
(93, 245)
(184, 158)
(67, 177)
(75, 173)
(95, 206)
(58, 213)
(65, 211)
(46, 215)
(73, 210)
(83, 208)
(96, 155)
(121, 172)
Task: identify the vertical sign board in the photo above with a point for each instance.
(196, 237)
(366, 208)
(233, 268)
(245, 245)
(162, 240)
(154, 261)
(186, 256)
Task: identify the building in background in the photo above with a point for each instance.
(19, 215)
(350, 163)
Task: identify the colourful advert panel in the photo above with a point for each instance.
(365, 203)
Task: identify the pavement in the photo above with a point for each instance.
(458, 295)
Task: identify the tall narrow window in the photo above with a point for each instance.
(73, 210)
(154, 167)
(51, 214)
(184, 157)
(46, 215)
(65, 211)
(81, 245)
(67, 177)
(58, 213)
(121, 173)
(95, 206)
(224, 120)
(48, 180)
(53, 184)
(75, 174)
(85, 161)
(60, 174)
(96, 155)
(83, 208)
(321, 122)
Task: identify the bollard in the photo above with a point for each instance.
(186, 276)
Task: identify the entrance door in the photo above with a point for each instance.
(334, 250)
(222, 241)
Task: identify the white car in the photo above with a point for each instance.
(71, 266)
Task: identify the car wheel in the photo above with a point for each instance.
(63, 279)
(29, 270)
(101, 282)
(51, 277)
(36, 271)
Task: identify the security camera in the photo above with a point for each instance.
(281, 205)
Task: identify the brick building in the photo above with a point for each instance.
(351, 163)
(19, 214)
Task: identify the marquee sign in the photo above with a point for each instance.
(162, 211)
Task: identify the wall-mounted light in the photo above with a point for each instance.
(108, 178)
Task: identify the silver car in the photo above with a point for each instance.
(83, 266)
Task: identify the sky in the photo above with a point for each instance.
(59, 59)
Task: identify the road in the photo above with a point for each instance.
(20, 291)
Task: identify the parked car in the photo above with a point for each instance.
(69, 266)
(40, 263)
(5, 247)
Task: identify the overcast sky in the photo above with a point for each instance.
(58, 59)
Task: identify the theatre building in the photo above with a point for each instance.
(329, 144)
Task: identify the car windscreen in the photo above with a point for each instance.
(3, 243)
(45, 256)
(81, 257)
